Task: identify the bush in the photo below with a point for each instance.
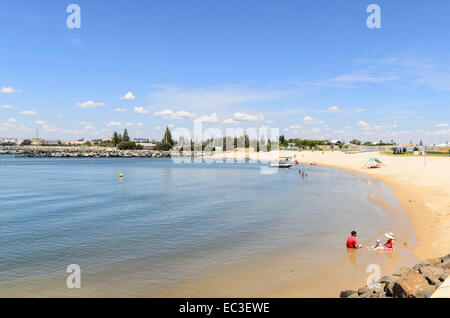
(130, 145)
(163, 146)
(26, 142)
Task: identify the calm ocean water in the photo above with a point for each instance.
(178, 229)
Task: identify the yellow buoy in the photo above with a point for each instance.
(120, 175)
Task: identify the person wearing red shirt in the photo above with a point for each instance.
(390, 242)
(351, 241)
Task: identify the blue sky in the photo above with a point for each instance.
(311, 68)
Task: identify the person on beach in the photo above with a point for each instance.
(389, 245)
(351, 241)
(377, 245)
(390, 242)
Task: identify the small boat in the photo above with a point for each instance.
(284, 163)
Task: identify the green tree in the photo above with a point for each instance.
(129, 145)
(115, 139)
(283, 141)
(26, 142)
(163, 146)
(167, 139)
(125, 137)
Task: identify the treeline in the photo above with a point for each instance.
(123, 142)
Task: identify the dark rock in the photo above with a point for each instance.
(365, 290)
(432, 261)
(446, 266)
(348, 293)
(389, 288)
(433, 274)
(387, 279)
(402, 271)
(412, 285)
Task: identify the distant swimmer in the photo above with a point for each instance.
(351, 241)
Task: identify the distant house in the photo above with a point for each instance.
(147, 145)
(336, 142)
(8, 140)
(78, 142)
(141, 140)
(37, 141)
(443, 147)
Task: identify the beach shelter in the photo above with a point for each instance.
(373, 163)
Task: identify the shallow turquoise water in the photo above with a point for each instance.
(164, 223)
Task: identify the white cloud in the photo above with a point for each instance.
(46, 126)
(209, 119)
(178, 115)
(315, 130)
(360, 110)
(308, 120)
(230, 121)
(87, 126)
(128, 96)
(364, 76)
(295, 127)
(157, 128)
(140, 110)
(163, 113)
(90, 104)
(9, 90)
(170, 126)
(442, 125)
(28, 112)
(120, 110)
(334, 109)
(8, 107)
(12, 120)
(129, 124)
(140, 124)
(113, 123)
(362, 123)
(248, 117)
(441, 132)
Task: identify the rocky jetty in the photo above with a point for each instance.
(420, 281)
(85, 153)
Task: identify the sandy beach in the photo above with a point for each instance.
(421, 185)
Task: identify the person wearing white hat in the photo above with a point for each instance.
(390, 242)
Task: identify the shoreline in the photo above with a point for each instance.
(420, 184)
